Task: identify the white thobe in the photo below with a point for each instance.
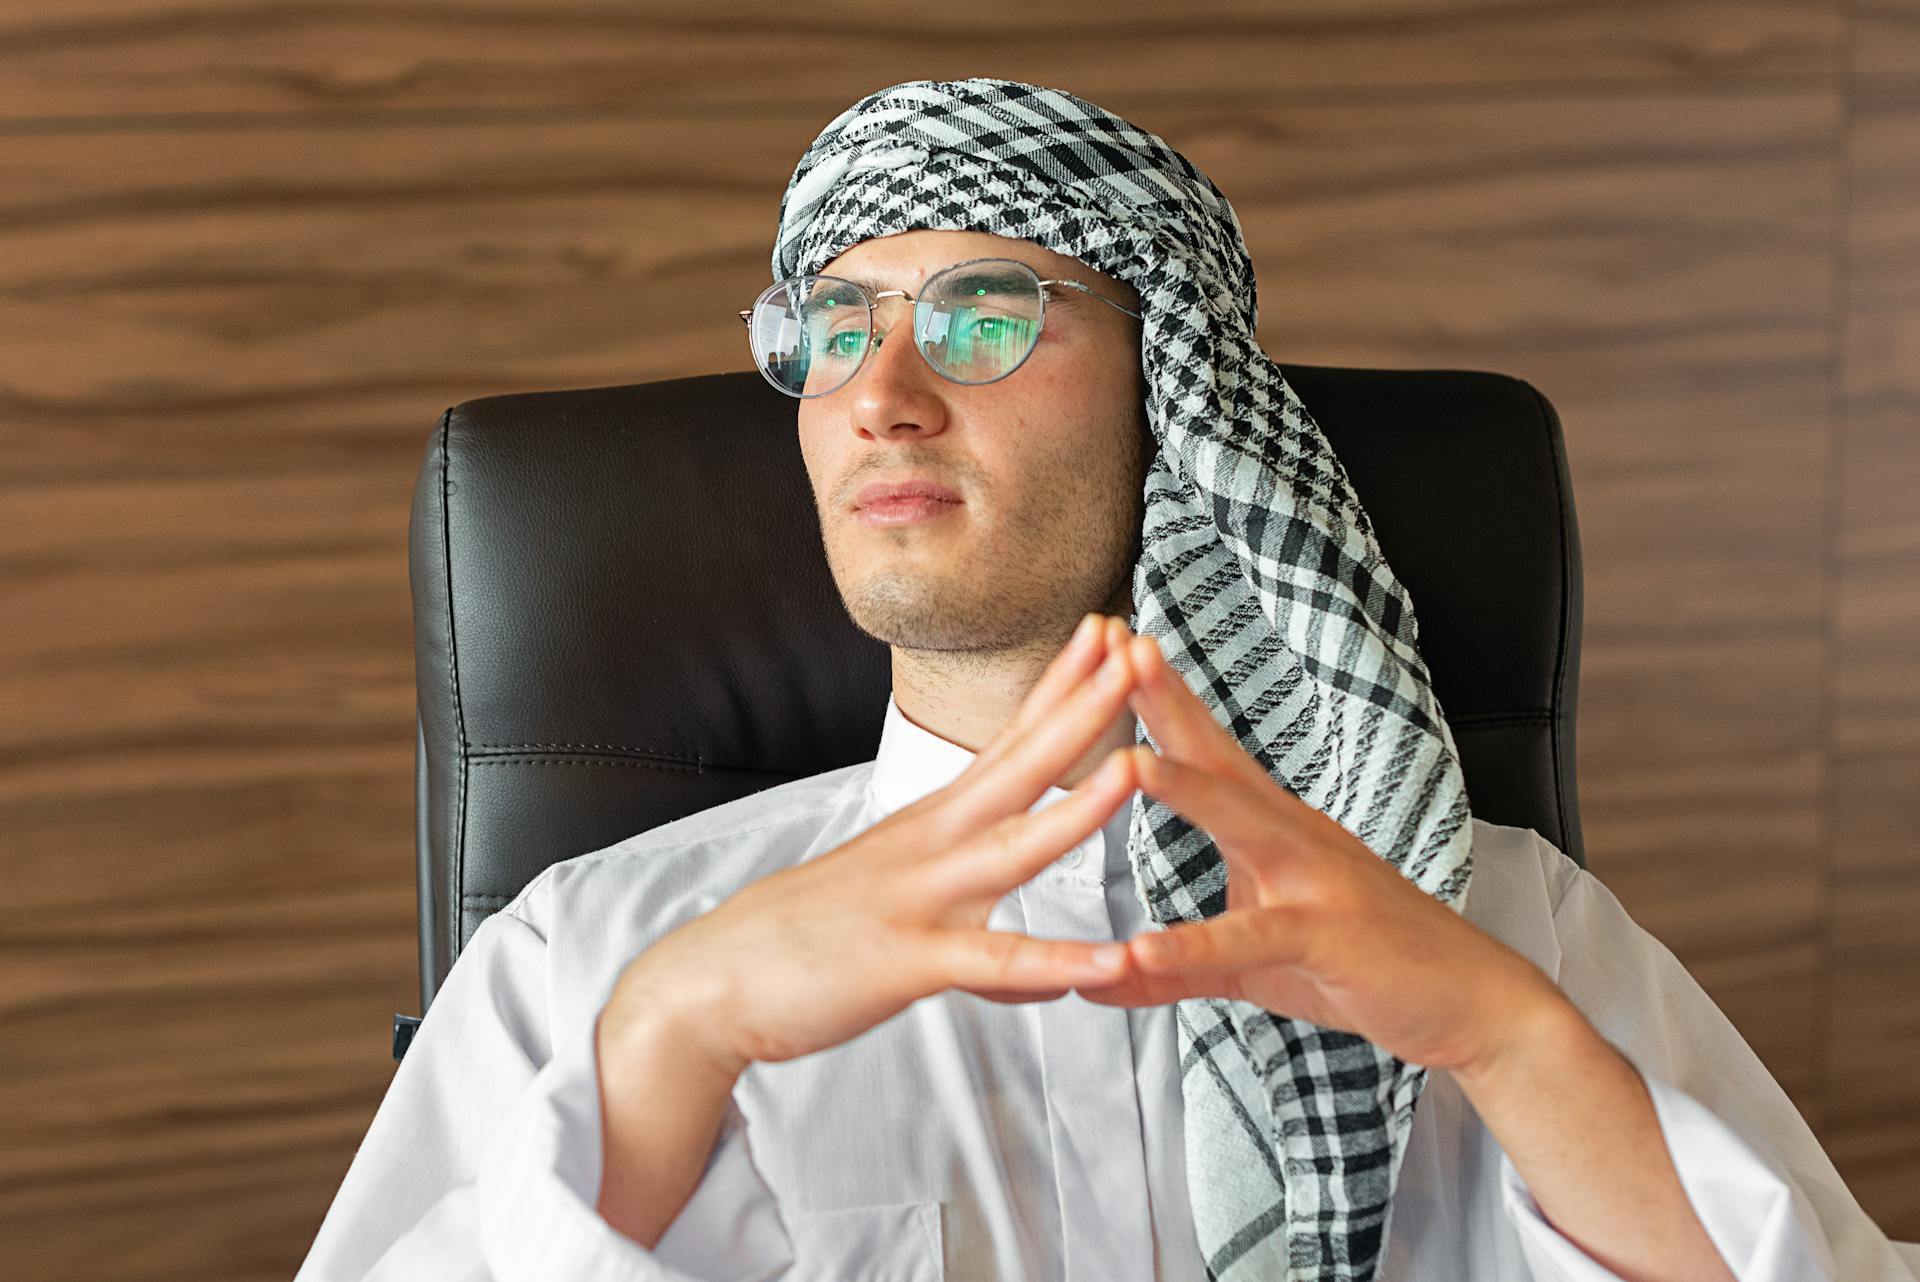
(971, 1139)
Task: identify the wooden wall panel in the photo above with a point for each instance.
(1873, 982)
(1885, 38)
(118, 59)
(248, 256)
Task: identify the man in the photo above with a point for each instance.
(858, 1025)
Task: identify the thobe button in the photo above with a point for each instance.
(1071, 859)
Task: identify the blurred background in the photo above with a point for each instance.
(249, 254)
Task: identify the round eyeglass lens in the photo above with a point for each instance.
(975, 323)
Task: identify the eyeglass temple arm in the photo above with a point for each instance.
(1090, 292)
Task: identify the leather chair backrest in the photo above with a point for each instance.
(623, 612)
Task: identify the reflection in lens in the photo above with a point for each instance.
(990, 317)
(977, 322)
(833, 329)
(779, 343)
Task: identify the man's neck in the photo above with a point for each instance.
(971, 701)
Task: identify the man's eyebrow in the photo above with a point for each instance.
(867, 283)
(1057, 296)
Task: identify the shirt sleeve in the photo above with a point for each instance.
(482, 1163)
(1765, 1190)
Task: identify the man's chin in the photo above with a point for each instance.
(916, 615)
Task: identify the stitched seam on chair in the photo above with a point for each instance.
(837, 802)
(586, 747)
(453, 670)
(601, 856)
(583, 761)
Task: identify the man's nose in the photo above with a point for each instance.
(895, 390)
(885, 357)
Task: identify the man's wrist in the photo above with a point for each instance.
(663, 1095)
(646, 1034)
(1544, 1030)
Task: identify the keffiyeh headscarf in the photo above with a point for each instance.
(1260, 580)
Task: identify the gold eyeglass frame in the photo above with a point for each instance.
(873, 302)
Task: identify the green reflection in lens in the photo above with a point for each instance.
(982, 345)
(979, 325)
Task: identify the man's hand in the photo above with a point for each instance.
(1318, 926)
(815, 954)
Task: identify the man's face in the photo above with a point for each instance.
(1049, 462)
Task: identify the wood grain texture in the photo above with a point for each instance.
(120, 58)
(1886, 38)
(248, 255)
(1873, 980)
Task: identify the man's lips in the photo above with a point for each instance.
(903, 509)
(891, 492)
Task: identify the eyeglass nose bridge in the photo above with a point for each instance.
(875, 334)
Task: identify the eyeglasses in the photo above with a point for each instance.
(974, 322)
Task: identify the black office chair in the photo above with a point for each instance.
(623, 613)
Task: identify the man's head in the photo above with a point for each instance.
(1049, 462)
(1262, 582)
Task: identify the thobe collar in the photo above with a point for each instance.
(913, 761)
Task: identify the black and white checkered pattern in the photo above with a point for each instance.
(1261, 580)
